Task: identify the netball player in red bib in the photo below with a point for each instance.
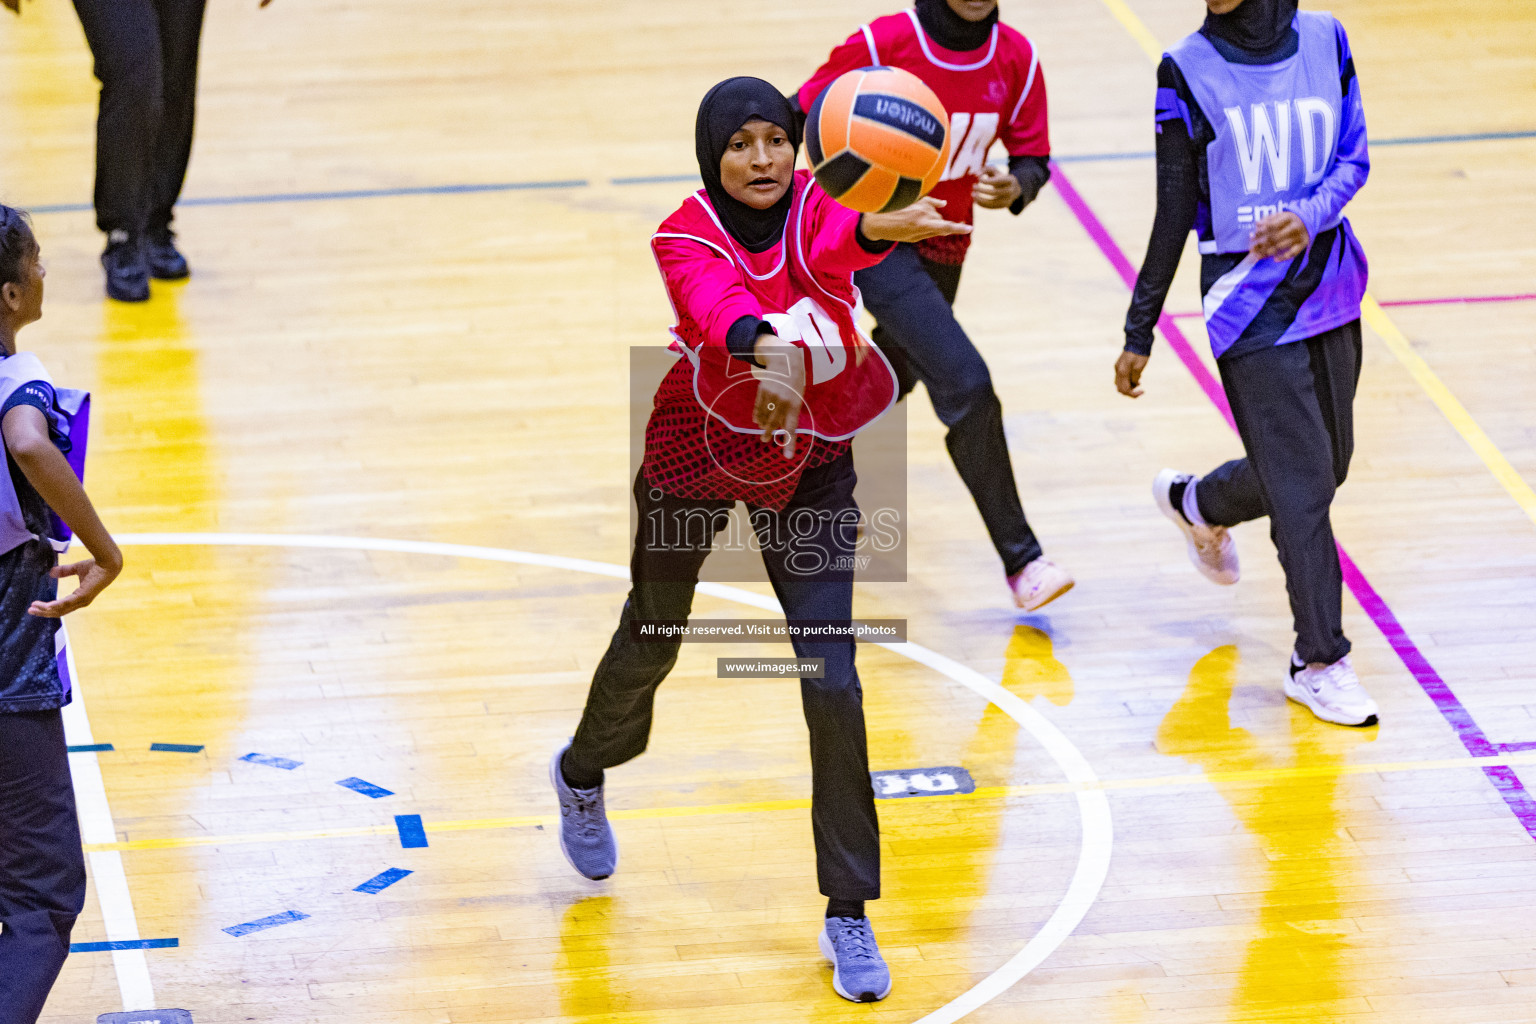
(774, 378)
(988, 77)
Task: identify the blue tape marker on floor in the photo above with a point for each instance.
(412, 835)
(365, 788)
(175, 1016)
(178, 748)
(262, 924)
(270, 760)
(383, 880)
(904, 782)
(82, 748)
(108, 947)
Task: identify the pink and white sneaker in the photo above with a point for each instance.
(1211, 548)
(1038, 584)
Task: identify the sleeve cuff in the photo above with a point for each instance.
(1031, 172)
(869, 245)
(1138, 343)
(1309, 220)
(741, 339)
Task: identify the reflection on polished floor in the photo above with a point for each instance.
(368, 351)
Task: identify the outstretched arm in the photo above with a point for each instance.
(841, 241)
(25, 429)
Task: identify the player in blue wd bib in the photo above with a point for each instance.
(1261, 142)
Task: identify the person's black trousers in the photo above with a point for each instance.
(42, 869)
(1294, 406)
(810, 584)
(911, 300)
(145, 55)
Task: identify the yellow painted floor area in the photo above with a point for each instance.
(451, 366)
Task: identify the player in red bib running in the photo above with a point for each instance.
(988, 77)
(774, 379)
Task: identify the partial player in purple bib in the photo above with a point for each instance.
(1260, 144)
(42, 868)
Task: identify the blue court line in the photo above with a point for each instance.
(412, 835)
(81, 748)
(262, 924)
(366, 788)
(108, 947)
(178, 748)
(272, 761)
(350, 193)
(1432, 140)
(1094, 158)
(654, 179)
(661, 179)
(383, 880)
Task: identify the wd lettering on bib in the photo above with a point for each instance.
(1277, 127)
(1261, 141)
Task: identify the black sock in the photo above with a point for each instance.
(1176, 497)
(845, 908)
(578, 775)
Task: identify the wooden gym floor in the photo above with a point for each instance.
(367, 352)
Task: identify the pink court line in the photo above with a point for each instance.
(1450, 300)
(1476, 742)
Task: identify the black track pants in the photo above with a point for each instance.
(617, 720)
(910, 298)
(145, 55)
(1294, 406)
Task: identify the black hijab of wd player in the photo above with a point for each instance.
(950, 30)
(724, 110)
(1256, 27)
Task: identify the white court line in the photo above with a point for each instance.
(1092, 804)
(96, 826)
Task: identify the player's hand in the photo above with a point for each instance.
(911, 223)
(1282, 236)
(996, 189)
(1128, 370)
(780, 390)
(94, 578)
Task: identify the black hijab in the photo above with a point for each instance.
(725, 109)
(1255, 27)
(950, 30)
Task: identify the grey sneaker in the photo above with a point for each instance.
(859, 973)
(585, 838)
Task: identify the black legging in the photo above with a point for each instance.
(617, 720)
(911, 297)
(42, 870)
(146, 59)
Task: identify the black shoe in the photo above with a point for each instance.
(166, 263)
(127, 271)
